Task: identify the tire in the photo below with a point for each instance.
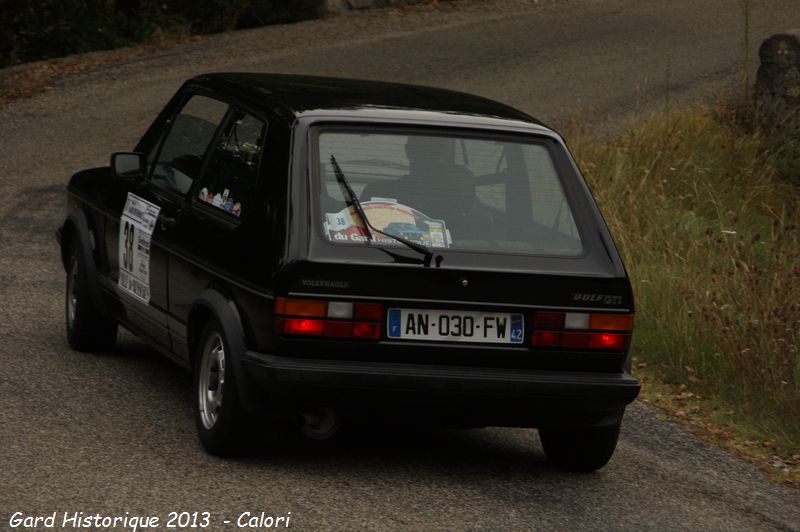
(580, 450)
(88, 329)
(223, 426)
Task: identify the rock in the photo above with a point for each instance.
(779, 73)
(777, 106)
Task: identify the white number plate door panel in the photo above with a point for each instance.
(455, 326)
(135, 229)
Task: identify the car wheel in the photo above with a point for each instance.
(222, 424)
(582, 450)
(87, 328)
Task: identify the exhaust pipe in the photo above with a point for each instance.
(320, 423)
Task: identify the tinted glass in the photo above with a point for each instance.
(230, 180)
(181, 156)
(470, 194)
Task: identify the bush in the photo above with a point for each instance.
(31, 31)
(708, 228)
(50, 28)
(777, 122)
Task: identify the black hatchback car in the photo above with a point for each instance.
(323, 249)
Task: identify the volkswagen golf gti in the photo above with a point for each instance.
(321, 250)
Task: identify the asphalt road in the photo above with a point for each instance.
(113, 433)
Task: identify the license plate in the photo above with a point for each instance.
(455, 326)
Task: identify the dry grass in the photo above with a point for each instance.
(708, 229)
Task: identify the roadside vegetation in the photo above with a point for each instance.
(38, 38)
(704, 203)
(31, 31)
(41, 42)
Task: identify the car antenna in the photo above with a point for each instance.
(352, 201)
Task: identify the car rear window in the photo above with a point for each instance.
(453, 192)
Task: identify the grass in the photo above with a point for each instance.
(708, 228)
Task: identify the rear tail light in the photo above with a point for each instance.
(338, 309)
(546, 338)
(367, 331)
(615, 342)
(301, 307)
(576, 330)
(303, 326)
(328, 319)
(548, 320)
(611, 322)
(368, 311)
(337, 329)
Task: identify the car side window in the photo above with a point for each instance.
(230, 180)
(178, 161)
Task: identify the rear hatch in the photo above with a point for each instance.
(452, 247)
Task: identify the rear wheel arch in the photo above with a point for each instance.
(202, 311)
(212, 305)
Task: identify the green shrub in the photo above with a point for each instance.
(709, 232)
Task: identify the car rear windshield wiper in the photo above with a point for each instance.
(356, 204)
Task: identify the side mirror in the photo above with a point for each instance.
(129, 165)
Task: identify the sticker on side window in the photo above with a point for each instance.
(135, 229)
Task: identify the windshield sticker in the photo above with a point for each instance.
(135, 229)
(390, 217)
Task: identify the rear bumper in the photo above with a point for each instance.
(490, 395)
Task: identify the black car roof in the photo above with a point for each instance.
(291, 96)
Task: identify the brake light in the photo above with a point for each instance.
(608, 341)
(303, 326)
(328, 319)
(368, 331)
(546, 338)
(577, 330)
